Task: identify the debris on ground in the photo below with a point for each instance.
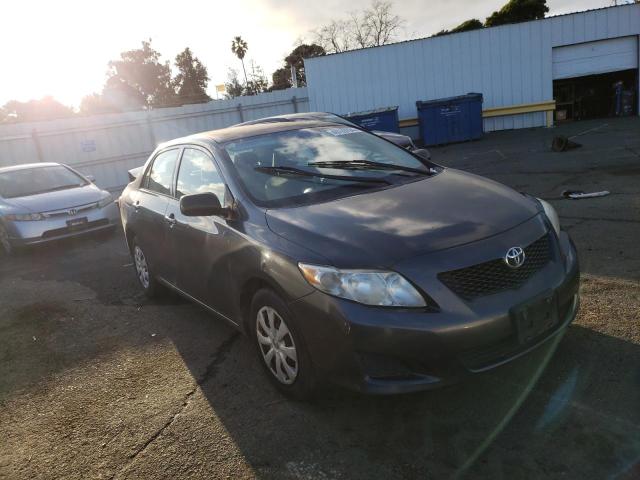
(578, 194)
(561, 143)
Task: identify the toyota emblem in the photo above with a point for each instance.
(515, 257)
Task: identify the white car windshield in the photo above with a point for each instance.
(32, 181)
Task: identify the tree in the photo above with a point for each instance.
(47, 108)
(192, 79)
(122, 96)
(379, 23)
(473, 24)
(281, 79)
(239, 47)
(466, 26)
(233, 87)
(297, 56)
(257, 83)
(518, 11)
(282, 76)
(371, 27)
(96, 104)
(142, 71)
(335, 37)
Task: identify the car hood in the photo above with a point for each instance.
(58, 200)
(378, 229)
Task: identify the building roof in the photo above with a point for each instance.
(468, 31)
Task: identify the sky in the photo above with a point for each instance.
(61, 48)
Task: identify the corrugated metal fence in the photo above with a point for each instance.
(106, 146)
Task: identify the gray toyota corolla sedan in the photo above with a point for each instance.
(347, 259)
(40, 202)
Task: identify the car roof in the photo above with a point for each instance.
(280, 123)
(288, 117)
(26, 166)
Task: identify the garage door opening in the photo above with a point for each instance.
(596, 96)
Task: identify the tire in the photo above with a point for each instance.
(144, 273)
(6, 248)
(281, 351)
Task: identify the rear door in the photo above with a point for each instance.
(200, 245)
(150, 208)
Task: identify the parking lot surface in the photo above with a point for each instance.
(98, 382)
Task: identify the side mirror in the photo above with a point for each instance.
(422, 153)
(91, 178)
(201, 205)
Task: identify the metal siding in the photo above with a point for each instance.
(591, 58)
(510, 64)
(124, 141)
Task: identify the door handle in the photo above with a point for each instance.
(136, 205)
(171, 220)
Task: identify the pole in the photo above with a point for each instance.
(36, 143)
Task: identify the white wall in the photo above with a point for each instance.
(590, 58)
(106, 146)
(509, 65)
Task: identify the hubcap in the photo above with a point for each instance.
(141, 266)
(276, 345)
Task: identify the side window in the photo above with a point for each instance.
(198, 174)
(160, 175)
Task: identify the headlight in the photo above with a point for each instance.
(105, 201)
(27, 217)
(551, 214)
(370, 287)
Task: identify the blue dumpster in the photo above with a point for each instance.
(453, 119)
(384, 119)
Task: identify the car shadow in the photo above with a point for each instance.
(569, 408)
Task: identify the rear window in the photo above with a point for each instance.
(33, 181)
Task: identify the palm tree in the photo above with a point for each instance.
(240, 47)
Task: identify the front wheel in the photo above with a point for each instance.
(280, 347)
(147, 281)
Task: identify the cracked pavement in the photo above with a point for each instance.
(98, 382)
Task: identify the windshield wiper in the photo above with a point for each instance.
(306, 173)
(368, 165)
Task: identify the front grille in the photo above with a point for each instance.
(495, 275)
(65, 212)
(66, 230)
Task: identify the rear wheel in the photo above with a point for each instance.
(145, 276)
(5, 244)
(280, 347)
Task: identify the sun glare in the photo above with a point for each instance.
(66, 49)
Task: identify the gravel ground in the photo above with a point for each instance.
(97, 382)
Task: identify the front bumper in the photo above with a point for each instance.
(57, 228)
(387, 351)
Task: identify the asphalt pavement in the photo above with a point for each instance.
(98, 382)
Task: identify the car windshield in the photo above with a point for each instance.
(32, 181)
(315, 164)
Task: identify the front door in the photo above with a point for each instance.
(199, 244)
